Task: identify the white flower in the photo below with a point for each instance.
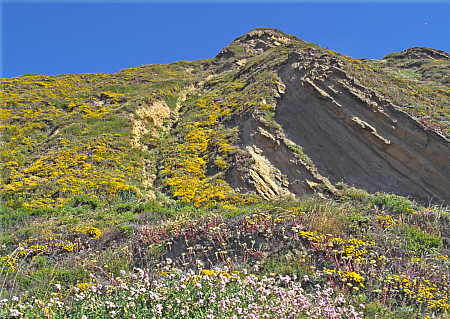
(14, 313)
(199, 263)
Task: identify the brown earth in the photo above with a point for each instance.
(355, 137)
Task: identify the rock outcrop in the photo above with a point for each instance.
(349, 131)
(354, 136)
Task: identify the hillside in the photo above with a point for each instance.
(275, 157)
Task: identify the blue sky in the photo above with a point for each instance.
(83, 37)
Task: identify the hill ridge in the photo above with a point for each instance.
(278, 172)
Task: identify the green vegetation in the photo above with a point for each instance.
(119, 199)
(421, 92)
(316, 239)
(421, 242)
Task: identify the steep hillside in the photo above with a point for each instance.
(300, 152)
(302, 114)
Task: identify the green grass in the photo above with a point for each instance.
(131, 227)
(421, 242)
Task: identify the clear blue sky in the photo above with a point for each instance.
(85, 37)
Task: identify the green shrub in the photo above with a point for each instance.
(393, 203)
(80, 201)
(38, 281)
(419, 241)
(127, 195)
(357, 221)
(353, 193)
(120, 88)
(10, 216)
(171, 101)
(126, 230)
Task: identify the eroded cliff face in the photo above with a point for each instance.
(354, 136)
(330, 127)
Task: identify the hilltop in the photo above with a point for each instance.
(331, 168)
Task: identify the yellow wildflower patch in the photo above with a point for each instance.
(83, 286)
(185, 168)
(386, 221)
(93, 232)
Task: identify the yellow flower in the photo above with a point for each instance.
(94, 232)
(208, 272)
(83, 286)
(386, 220)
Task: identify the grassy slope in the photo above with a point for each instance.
(381, 251)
